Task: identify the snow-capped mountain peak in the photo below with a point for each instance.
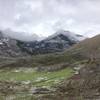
(70, 35)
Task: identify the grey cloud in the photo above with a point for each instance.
(47, 16)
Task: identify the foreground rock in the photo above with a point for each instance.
(37, 90)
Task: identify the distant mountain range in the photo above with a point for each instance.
(57, 42)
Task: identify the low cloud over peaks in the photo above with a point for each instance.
(44, 17)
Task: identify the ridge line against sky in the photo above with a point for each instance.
(44, 17)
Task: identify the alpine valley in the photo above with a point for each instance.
(63, 66)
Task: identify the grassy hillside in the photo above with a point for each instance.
(89, 47)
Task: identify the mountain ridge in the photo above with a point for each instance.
(54, 43)
(58, 42)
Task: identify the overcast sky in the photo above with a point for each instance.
(44, 17)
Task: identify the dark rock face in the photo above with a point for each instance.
(44, 47)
